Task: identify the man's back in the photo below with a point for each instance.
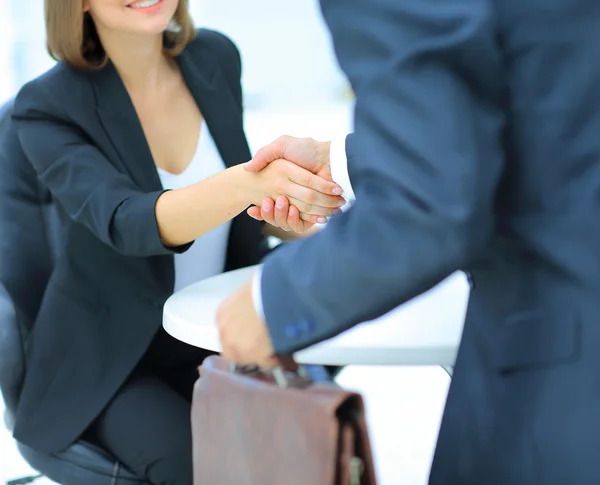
(548, 199)
(476, 147)
(523, 408)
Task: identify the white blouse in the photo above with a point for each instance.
(207, 255)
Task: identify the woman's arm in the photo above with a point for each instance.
(94, 193)
(186, 214)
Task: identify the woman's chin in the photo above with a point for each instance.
(148, 22)
(155, 27)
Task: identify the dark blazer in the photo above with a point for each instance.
(476, 147)
(104, 300)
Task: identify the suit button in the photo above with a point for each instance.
(306, 326)
(302, 327)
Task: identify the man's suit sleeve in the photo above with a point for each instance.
(425, 159)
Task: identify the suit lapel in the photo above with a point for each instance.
(121, 123)
(218, 106)
(222, 114)
(212, 95)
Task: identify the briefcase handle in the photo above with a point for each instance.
(287, 374)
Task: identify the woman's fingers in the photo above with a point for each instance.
(312, 197)
(312, 202)
(313, 209)
(301, 185)
(312, 218)
(308, 179)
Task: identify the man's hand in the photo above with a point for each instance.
(283, 215)
(307, 153)
(244, 335)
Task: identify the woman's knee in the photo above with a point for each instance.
(174, 469)
(147, 428)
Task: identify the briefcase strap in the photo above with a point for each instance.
(283, 375)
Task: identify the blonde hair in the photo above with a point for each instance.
(71, 35)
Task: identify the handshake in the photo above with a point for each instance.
(309, 197)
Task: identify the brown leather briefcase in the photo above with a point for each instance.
(275, 427)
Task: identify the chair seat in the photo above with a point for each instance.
(80, 464)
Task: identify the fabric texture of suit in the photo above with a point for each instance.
(103, 303)
(476, 147)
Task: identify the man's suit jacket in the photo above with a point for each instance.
(103, 303)
(476, 147)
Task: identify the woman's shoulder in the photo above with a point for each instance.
(218, 47)
(214, 40)
(56, 87)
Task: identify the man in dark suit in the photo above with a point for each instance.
(476, 147)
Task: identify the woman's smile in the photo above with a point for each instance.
(147, 6)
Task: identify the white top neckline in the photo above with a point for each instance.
(207, 255)
(162, 172)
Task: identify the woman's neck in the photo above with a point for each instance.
(139, 59)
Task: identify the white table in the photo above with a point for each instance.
(424, 331)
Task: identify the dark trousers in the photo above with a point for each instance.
(146, 426)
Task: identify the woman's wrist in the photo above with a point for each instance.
(245, 184)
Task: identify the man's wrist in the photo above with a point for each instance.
(324, 154)
(339, 168)
(257, 293)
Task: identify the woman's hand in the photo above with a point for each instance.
(311, 194)
(282, 215)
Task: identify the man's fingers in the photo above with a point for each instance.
(267, 212)
(298, 225)
(268, 362)
(255, 213)
(282, 206)
(227, 351)
(293, 219)
(287, 217)
(267, 154)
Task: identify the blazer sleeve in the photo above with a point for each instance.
(89, 188)
(424, 162)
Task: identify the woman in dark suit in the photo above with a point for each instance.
(138, 104)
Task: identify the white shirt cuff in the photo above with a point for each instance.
(338, 163)
(257, 294)
(339, 173)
